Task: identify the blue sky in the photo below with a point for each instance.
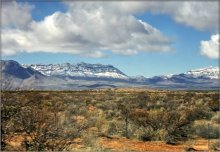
(184, 42)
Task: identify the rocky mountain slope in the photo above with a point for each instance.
(209, 73)
(78, 70)
(88, 76)
(14, 76)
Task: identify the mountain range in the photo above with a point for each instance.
(68, 76)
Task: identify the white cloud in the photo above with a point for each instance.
(201, 15)
(210, 48)
(15, 15)
(88, 29)
(92, 28)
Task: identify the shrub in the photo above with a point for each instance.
(89, 139)
(145, 134)
(162, 125)
(214, 102)
(198, 112)
(112, 128)
(215, 146)
(161, 134)
(102, 123)
(216, 118)
(189, 145)
(206, 129)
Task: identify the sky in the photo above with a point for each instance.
(140, 38)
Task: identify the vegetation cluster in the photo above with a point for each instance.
(64, 120)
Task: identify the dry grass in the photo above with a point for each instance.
(98, 111)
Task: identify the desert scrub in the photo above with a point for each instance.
(206, 129)
(215, 145)
(216, 118)
(89, 139)
(112, 128)
(102, 123)
(189, 145)
(145, 134)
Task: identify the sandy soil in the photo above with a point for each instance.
(123, 144)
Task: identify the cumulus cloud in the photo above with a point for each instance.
(15, 15)
(201, 15)
(88, 29)
(210, 48)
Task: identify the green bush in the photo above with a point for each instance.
(216, 118)
(206, 129)
(145, 134)
(112, 128)
(214, 102)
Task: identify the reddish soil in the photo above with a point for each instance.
(123, 144)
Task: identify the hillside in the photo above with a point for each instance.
(92, 76)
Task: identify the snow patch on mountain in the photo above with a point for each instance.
(208, 72)
(79, 70)
(108, 71)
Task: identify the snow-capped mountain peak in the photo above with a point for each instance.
(87, 76)
(79, 70)
(208, 72)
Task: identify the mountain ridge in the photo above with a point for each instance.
(78, 70)
(208, 72)
(89, 76)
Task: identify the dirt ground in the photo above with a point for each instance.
(123, 144)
